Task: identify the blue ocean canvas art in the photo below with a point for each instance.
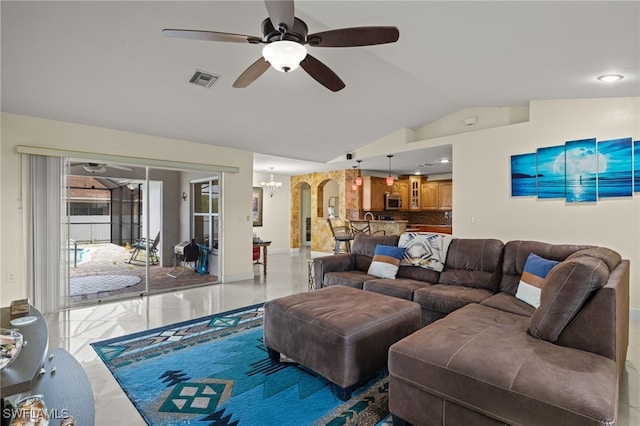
(615, 168)
(523, 175)
(636, 166)
(550, 172)
(580, 170)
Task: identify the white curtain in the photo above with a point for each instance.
(48, 229)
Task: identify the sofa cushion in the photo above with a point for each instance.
(473, 263)
(402, 288)
(418, 274)
(351, 278)
(447, 298)
(535, 271)
(365, 244)
(385, 261)
(425, 249)
(508, 303)
(483, 358)
(567, 287)
(516, 253)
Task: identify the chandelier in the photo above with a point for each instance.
(272, 186)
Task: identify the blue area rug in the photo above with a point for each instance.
(215, 371)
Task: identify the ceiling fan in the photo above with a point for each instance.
(100, 167)
(285, 37)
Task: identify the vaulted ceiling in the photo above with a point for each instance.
(107, 64)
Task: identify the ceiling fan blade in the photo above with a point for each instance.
(249, 75)
(356, 36)
(322, 73)
(211, 36)
(280, 12)
(115, 166)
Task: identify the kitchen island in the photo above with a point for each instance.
(390, 227)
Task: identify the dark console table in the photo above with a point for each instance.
(62, 381)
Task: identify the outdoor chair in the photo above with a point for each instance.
(141, 246)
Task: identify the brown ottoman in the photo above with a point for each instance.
(341, 333)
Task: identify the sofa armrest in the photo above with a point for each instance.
(334, 263)
(602, 326)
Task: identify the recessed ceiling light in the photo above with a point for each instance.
(608, 78)
(444, 160)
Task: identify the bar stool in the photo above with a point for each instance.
(341, 234)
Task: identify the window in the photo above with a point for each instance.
(206, 211)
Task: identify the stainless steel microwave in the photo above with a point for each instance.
(392, 202)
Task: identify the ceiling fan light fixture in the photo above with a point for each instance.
(94, 168)
(284, 55)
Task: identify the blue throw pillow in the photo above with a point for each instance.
(535, 271)
(385, 262)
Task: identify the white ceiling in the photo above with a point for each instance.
(107, 64)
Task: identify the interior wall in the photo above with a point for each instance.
(276, 214)
(38, 132)
(482, 202)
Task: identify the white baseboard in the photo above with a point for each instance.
(230, 278)
(634, 314)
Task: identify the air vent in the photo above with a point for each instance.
(203, 79)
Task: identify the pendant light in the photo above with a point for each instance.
(359, 178)
(389, 178)
(354, 185)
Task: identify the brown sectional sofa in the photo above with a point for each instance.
(485, 357)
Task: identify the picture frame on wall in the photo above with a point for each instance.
(256, 206)
(580, 170)
(523, 175)
(615, 168)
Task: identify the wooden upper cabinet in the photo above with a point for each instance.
(373, 189)
(445, 195)
(401, 187)
(429, 196)
(437, 195)
(414, 193)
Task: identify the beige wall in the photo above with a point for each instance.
(31, 131)
(482, 202)
(276, 212)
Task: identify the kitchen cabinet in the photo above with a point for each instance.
(429, 196)
(401, 187)
(414, 192)
(373, 190)
(436, 195)
(445, 195)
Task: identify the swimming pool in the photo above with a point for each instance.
(81, 255)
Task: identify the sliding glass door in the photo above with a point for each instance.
(124, 224)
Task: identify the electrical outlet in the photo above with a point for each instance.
(11, 277)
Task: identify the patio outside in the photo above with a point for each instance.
(103, 270)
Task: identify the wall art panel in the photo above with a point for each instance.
(580, 170)
(550, 172)
(615, 168)
(523, 175)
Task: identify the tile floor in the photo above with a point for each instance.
(75, 329)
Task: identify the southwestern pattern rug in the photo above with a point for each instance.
(215, 371)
